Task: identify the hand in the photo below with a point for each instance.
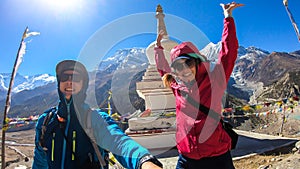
(159, 37)
(228, 8)
(149, 165)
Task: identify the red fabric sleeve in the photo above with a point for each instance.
(228, 53)
(162, 64)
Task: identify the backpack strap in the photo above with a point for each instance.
(89, 131)
(47, 119)
(209, 112)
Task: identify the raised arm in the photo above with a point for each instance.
(162, 64)
(228, 53)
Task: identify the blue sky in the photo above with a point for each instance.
(69, 27)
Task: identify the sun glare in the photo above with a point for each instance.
(65, 6)
(62, 4)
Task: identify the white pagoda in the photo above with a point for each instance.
(151, 89)
(156, 132)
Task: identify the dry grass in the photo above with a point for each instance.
(258, 161)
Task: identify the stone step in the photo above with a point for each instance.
(153, 73)
(151, 78)
(149, 85)
(160, 101)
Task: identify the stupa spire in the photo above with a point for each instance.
(160, 21)
(165, 42)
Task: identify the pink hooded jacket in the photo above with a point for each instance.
(198, 135)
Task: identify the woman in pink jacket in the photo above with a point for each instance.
(201, 140)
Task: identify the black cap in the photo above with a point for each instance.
(70, 65)
(74, 66)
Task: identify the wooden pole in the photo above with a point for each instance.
(285, 3)
(283, 121)
(7, 105)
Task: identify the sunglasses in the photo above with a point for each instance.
(74, 77)
(188, 63)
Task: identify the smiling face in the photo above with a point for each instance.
(71, 82)
(185, 69)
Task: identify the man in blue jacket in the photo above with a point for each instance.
(74, 136)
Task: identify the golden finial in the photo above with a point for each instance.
(159, 9)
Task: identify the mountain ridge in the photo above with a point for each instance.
(121, 71)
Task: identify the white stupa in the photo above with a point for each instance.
(166, 42)
(156, 133)
(157, 97)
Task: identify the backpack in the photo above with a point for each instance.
(88, 129)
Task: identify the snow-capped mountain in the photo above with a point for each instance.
(241, 84)
(253, 66)
(251, 53)
(124, 58)
(25, 82)
(246, 63)
(211, 51)
(133, 58)
(247, 57)
(120, 73)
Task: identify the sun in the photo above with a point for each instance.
(64, 6)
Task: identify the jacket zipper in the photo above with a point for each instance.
(66, 133)
(52, 150)
(74, 145)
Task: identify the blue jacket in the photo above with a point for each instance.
(59, 147)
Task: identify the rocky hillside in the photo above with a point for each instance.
(274, 67)
(279, 74)
(285, 87)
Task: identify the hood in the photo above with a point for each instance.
(77, 100)
(186, 50)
